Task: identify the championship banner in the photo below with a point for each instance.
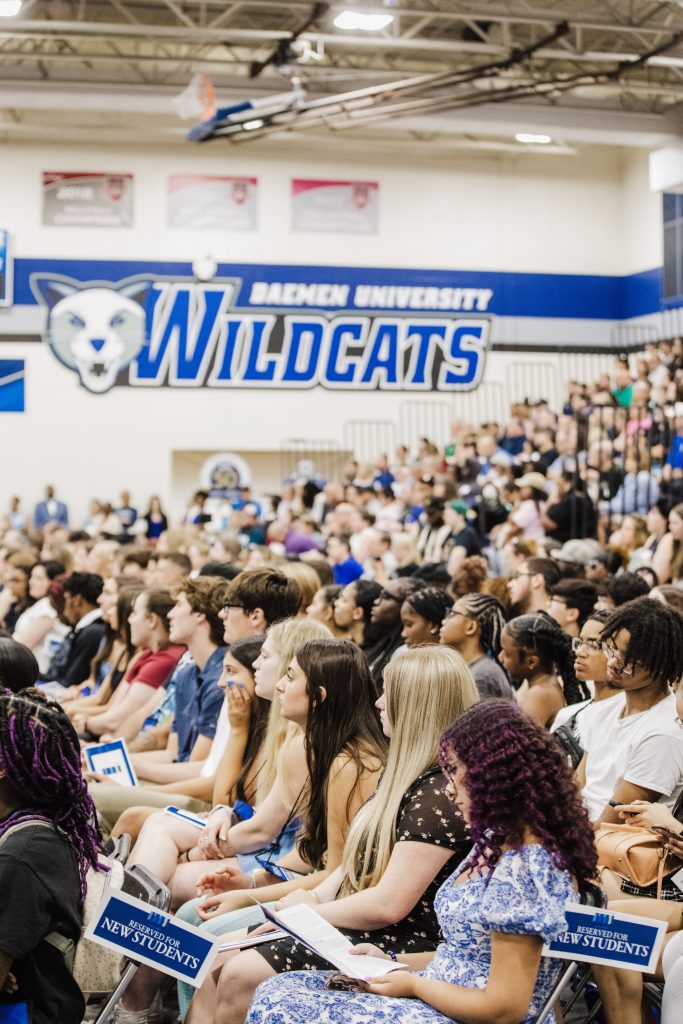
(5, 269)
(345, 206)
(87, 200)
(205, 201)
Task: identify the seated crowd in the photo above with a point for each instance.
(418, 698)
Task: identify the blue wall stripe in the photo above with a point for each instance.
(568, 296)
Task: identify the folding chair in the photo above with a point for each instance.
(143, 885)
(593, 897)
(118, 848)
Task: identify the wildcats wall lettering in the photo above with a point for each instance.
(151, 333)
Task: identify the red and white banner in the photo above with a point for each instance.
(85, 200)
(197, 201)
(345, 206)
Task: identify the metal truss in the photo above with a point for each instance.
(248, 44)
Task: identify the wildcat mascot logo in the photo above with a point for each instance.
(95, 329)
(165, 331)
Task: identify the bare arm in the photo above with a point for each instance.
(661, 560)
(6, 962)
(580, 776)
(152, 741)
(455, 560)
(541, 705)
(144, 762)
(515, 960)
(411, 868)
(626, 793)
(130, 727)
(176, 771)
(35, 632)
(132, 699)
(238, 707)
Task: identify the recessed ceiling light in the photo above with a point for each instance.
(529, 137)
(251, 126)
(10, 8)
(358, 20)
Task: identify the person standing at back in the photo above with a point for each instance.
(50, 511)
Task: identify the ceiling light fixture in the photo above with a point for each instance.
(352, 21)
(251, 126)
(530, 138)
(10, 8)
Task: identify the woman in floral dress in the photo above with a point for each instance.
(533, 854)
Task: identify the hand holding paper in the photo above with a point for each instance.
(304, 924)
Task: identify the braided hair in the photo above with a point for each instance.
(539, 633)
(655, 638)
(41, 758)
(431, 603)
(489, 614)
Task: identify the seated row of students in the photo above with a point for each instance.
(378, 873)
(349, 863)
(207, 616)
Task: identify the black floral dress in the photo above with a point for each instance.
(425, 816)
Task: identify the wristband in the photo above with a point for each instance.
(391, 954)
(220, 807)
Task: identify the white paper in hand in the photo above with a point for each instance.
(304, 924)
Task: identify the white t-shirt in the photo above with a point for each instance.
(218, 744)
(645, 749)
(42, 609)
(528, 518)
(564, 715)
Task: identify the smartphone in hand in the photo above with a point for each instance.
(665, 833)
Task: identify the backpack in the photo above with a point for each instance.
(566, 737)
(95, 968)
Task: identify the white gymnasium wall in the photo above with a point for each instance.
(591, 213)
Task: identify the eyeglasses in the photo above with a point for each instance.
(452, 612)
(617, 658)
(592, 645)
(384, 595)
(227, 607)
(515, 576)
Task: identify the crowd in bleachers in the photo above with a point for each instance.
(421, 697)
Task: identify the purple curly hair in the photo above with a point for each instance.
(517, 779)
(41, 758)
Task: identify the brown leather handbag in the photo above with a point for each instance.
(635, 854)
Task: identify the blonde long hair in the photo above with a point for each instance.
(286, 636)
(426, 689)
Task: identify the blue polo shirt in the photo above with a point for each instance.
(198, 702)
(347, 572)
(675, 456)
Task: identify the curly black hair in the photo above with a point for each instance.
(655, 638)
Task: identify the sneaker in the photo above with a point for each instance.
(122, 1016)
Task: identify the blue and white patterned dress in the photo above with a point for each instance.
(526, 895)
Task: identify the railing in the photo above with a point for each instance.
(487, 403)
(431, 419)
(367, 439)
(303, 457)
